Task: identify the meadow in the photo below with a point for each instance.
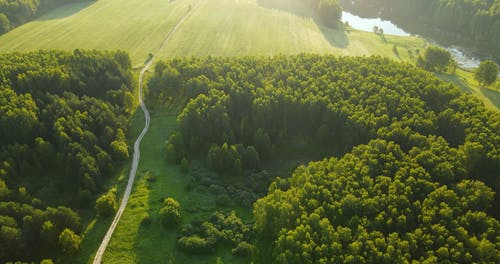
(135, 26)
(217, 27)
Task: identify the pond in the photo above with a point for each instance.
(366, 24)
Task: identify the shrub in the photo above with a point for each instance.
(106, 204)
(244, 249)
(69, 241)
(195, 244)
(170, 213)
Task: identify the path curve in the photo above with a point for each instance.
(137, 152)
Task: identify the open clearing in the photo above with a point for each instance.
(217, 27)
(269, 27)
(136, 26)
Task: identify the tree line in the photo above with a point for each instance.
(63, 119)
(472, 22)
(14, 13)
(419, 141)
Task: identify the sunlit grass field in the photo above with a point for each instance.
(136, 26)
(217, 27)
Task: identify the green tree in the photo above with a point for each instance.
(4, 24)
(69, 241)
(486, 73)
(435, 59)
(330, 12)
(170, 213)
(106, 204)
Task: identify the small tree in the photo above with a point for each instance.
(329, 12)
(487, 73)
(435, 59)
(170, 213)
(4, 24)
(106, 204)
(69, 241)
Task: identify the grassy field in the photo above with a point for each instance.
(217, 27)
(270, 27)
(136, 26)
(464, 79)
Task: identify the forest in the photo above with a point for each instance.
(472, 22)
(412, 173)
(63, 119)
(14, 13)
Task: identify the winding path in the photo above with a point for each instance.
(137, 152)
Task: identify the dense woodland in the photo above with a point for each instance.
(63, 118)
(17, 12)
(420, 180)
(472, 22)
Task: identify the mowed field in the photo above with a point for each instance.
(136, 26)
(217, 27)
(270, 27)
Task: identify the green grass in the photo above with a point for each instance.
(136, 243)
(465, 81)
(249, 27)
(217, 27)
(136, 26)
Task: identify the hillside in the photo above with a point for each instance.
(217, 27)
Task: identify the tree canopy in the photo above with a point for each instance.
(486, 73)
(14, 13)
(419, 180)
(436, 59)
(379, 204)
(63, 116)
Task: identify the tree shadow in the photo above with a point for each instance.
(456, 80)
(294, 7)
(337, 37)
(65, 11)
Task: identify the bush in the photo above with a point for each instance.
(486, 73)
(195, 245)
(69, 241)
(170, 213)
(436, 59)
(106, 204)
(243, 249)
(46, 261)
